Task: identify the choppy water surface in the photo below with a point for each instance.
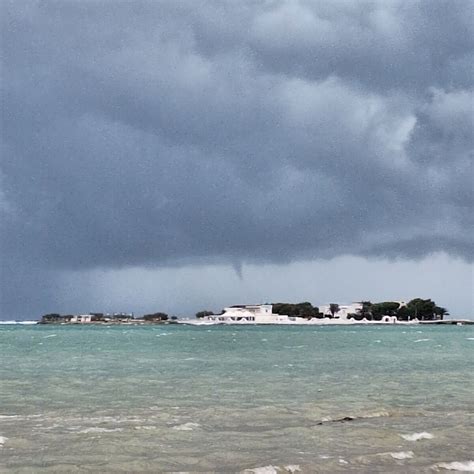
(175, 398)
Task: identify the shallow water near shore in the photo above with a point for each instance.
(231, 398)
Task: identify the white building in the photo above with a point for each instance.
(82, 318)
(254, 313)
(343, 312)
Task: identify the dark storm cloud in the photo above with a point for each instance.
(160, 133)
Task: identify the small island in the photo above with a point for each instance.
(107, 318)
(416, 311)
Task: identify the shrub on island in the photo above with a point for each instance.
(203, 314)
(156, 317)
(418, 308)
(299, 310)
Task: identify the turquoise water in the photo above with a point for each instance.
(230, 398)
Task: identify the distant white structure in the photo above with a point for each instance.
(82, 318)
(343, 312)
(263, 314)
(253, 313)
(118, 317)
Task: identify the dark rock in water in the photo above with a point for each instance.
(339, 420)
(346, 418)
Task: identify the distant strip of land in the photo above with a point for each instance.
(418, 310)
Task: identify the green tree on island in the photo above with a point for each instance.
(156, 317)
(441, 312)
(333, 309)
(366, 311)
(298, 310)
(386, 308)
(203, 314)
(425, 310)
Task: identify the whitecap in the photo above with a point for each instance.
(52, 427)
(417, 436)
(402, 455)
(3, 440)
(96, 429)
(186, 426)
(422, 340)
(292, 468)
(18, 322)
(343, 461)
(470, 338)
(49, 335)
(376, 414)
(465, 466)
(263, 470)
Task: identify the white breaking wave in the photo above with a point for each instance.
(422, 340)
(402, 455)
(263, 470)
(292, 468)
(18, 322)
(376, 414)
(3, 440)
(465, 466)
(186, 426)
(100, 430)
(417, 436)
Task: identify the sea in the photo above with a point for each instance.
(254, 399)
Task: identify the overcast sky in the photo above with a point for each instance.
(183, 155)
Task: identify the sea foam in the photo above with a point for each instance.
(3, 440)
(402, 455)
(100, 430)
(186, 426)
(465, 466)
(417, 436)
(263, 470)
(291, 468)
(18, 322)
